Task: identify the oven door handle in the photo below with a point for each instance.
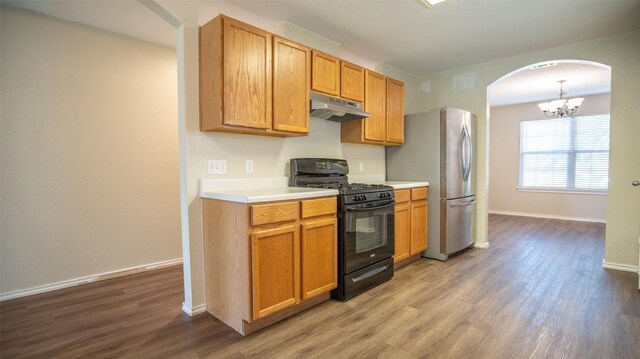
(354, 209)
(370, 273)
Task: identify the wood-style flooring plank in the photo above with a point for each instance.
(539, 291)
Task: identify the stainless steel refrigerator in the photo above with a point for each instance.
(439, 148)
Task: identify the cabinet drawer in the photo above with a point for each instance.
(318, 207)
(273, 213)
(418, 193)
(402, 195)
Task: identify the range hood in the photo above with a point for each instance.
(335, 109)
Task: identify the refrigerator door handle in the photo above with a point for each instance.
(462, 204)
(465, 153)
(470, 154)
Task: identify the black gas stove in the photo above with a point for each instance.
(366, 222)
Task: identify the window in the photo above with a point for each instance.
(565, 153)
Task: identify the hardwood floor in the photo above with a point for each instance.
(539, 291)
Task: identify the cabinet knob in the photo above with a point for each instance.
(636, 183)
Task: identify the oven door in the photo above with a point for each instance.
(368, 233)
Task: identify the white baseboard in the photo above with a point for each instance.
(193, 310)
(551, 216)
(88, 279)
(618, 266)
(484, 245)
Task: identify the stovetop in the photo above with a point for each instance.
(351, 188)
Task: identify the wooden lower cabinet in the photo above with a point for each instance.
(402, 232)
(267, 261)
(411, 221)
(319, 248)
(419, 225)
(275, 269)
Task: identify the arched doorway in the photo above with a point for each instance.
(556, 181)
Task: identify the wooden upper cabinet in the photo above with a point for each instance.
(291, 86)
(246, 75)
(351, 81)
(395, 111)
(375, 100)
(275, 269)
(325, 76)
(252, 81)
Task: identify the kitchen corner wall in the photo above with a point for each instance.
(504, 164)
(89, 152)
(270, 154)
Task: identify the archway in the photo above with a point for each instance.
(560, 191)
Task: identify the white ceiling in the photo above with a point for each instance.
(541, 84)
(421, 41)
(125, 17)
(403, 33)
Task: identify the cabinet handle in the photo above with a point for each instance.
(636, 183)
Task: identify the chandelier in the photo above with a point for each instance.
(561, 107)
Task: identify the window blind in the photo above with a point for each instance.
(565, 153)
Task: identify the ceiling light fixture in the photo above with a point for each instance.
(430, 3)
(561, 107)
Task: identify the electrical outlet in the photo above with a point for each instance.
(249, 166)
(361, 166)
(217, 167)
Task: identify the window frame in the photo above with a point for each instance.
(571, 165)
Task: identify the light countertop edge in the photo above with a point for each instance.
(406, 184)
(268, 194)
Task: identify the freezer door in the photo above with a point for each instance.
(455, 230)
(457, 131)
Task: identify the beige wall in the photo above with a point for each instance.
(467, 88)
(89, 152)
(504, 164)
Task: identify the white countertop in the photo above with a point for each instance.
(405, 184)
(252, 190)
(268, 194)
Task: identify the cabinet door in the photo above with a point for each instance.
(419, 213)
(275, 269)
(291, 72)
(326, 73)
(375, 99)
(395, 111)
(247, 75)
(402, 237)
(351, 81)
(319, 257)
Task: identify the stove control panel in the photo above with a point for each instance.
(384, 195)
(360, 197)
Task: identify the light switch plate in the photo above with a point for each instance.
(217, 167)
(249, 166)
(361, 166)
